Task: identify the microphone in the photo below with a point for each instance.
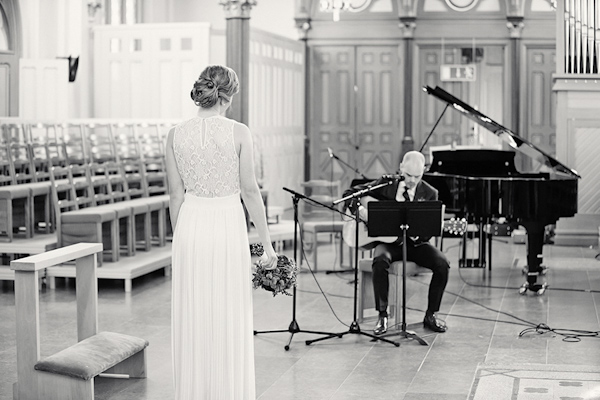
(394, 176)
(330, 152)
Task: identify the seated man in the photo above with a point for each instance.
(419, 250)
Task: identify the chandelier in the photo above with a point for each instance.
(337, 6)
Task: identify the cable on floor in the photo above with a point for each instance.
(303, 255)
(526, 323)
(518, 287)
(569, 335)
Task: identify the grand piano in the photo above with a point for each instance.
(483, 185)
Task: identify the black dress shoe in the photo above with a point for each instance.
(432, 322)
(381, 326)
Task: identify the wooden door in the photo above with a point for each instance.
(485, 94)
(378, 141)
(448, 130)
(332, 111)
(354, 112)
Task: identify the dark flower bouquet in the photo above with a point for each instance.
(277, 280)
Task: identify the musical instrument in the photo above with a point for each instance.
(454, 226)
(482, 185)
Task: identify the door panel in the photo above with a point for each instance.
(448, 130)
(486, 94)
(332, 112)
(378, 141)
(355, 111)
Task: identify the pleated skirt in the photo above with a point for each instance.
(212, 329)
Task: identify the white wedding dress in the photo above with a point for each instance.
(212, 330)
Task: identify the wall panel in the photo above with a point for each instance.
(43, 88)
(276, 113)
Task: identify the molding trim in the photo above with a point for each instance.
(237, 9)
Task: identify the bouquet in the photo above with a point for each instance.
(277, 280)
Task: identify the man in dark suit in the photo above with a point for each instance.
(419, 250)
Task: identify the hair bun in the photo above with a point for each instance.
(210, 84)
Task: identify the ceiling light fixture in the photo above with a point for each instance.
(337, 6)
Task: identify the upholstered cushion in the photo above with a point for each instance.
(93, 355)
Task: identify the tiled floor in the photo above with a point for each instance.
(484, 312)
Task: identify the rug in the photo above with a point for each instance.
(535, 382)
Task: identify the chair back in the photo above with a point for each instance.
(7, 171)
(152, 154)
(64, 196)
(73, 143)
(129, 158)
(118, 187)
(324, 192)
(99, 143)
(17, 148)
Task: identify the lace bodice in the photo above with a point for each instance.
(206, 157)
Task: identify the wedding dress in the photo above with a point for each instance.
(212, 330)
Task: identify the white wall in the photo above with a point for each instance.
(275, 16)
(53, 29)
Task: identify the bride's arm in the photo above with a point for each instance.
(176, 189)
(251, 191)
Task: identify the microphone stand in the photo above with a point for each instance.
(294, 327)
(357, 171)
(332, 155)
(354, 326)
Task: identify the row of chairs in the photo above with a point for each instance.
(29, 150)
(96, 203)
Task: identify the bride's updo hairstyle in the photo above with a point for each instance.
(216, 83)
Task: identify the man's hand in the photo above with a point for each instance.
(362, 213)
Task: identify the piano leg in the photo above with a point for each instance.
(482, 237)
(535, 244)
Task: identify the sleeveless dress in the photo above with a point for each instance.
(212, 328)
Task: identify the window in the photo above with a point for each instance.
(123, 12)
(4, 36)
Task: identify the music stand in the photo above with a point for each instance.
(354, 326)
(405, 219)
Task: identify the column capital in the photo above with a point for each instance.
(303, 26)
(237, 8)
(408, 25)
(515, 26)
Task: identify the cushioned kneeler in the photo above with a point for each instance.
(93, 355)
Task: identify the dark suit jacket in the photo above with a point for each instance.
(423, 192)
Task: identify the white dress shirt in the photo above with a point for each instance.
(401, 188)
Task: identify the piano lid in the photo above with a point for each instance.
(511, 138)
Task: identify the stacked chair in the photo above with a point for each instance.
(315, 219)
(24, 193)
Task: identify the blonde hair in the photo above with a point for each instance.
(216, 82)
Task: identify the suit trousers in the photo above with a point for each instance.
(423, 254)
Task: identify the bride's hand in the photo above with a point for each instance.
(269, 259)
